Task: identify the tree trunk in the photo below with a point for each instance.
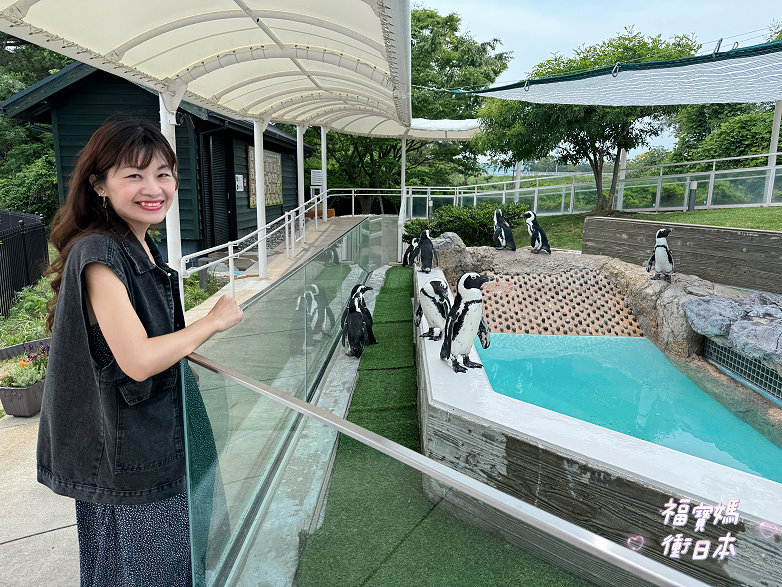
(614, 179)
(603, 205)
(366, 204)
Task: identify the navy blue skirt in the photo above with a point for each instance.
(134, 545)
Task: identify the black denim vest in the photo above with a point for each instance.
(104, 437)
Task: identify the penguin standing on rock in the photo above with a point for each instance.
(435, 305)
(410, 254)
(503, 236)
(661, 256)
(354, 334)
(427, 252)
(465, 320)
(538, 239)
(358, 292)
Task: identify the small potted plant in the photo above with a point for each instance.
(21, 388)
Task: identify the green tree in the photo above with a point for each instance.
(515, 131)
(28, 180)
(693, 123)
(441, 57)
(746, 134)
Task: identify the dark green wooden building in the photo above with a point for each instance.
(214, 203)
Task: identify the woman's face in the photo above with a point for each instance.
(140, 197)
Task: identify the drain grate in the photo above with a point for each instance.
(752, 370)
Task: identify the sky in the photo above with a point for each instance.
(535, 30)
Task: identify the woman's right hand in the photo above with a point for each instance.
(225, 314)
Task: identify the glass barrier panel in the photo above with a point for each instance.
(585, 199)
(440, 201)
(277, 499)
(493, 199)
(522, 197)
(739, 187)
(418, 207)
(776, 195)
(268, 345)
(558, 180)
(639, 194)
(674, 193)
(553, 199)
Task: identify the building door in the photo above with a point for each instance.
(221, 210)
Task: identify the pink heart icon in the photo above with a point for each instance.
(767, 530)
(635, 543)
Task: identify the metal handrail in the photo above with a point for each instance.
(261, 235)
(602, 548)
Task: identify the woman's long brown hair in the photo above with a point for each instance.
(117, 142)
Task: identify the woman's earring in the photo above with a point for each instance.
(104, 201)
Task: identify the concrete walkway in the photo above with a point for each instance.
(38, 540)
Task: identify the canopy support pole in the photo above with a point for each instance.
(324, 170)
(773, 150)
(168, 103)
(403, 179)
(300, 128)
(260, 193)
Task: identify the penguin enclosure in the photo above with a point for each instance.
(600, 427)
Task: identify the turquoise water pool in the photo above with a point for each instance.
(626, 384)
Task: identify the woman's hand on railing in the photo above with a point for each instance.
(225, 314)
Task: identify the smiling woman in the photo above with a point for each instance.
(118, 337)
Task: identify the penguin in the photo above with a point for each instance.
(435, 305)
(358, 291)
(538, 239)
(331, 256)
(427, 252)
(661, 256)
(503, 236)
(410, 254)
(320, 310)
(465, 320)
(354, 334)
(303, 314)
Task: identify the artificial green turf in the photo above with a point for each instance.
(395, 308)
(379, 528)
(394, 348)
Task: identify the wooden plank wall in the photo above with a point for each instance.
(742, 257)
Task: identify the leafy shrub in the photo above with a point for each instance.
(30, 368)
(475, 225)
(194, 295)
(33, 188)
(27, 316)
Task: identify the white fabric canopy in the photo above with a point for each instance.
(751, 74)
(344, 64)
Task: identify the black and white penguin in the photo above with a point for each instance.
(427, 252)
(410, 253)
(503, 236)
(538, 240)
(661, 256)
(465, 320)
(358, 291)
(433, 303)
(354, 333)
(303, 315)
(331, 256)
(320, 309)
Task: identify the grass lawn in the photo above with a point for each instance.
(379, 528)
(566, 231)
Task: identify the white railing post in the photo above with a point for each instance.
(620, 188)
(231, 269)
(659, 190)
(711, 184)
(772, 157)
(315, 210)
(285, 230)
(572, 195)
(535, 201)
(352, 202)
(325, 208)
(504, 195)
